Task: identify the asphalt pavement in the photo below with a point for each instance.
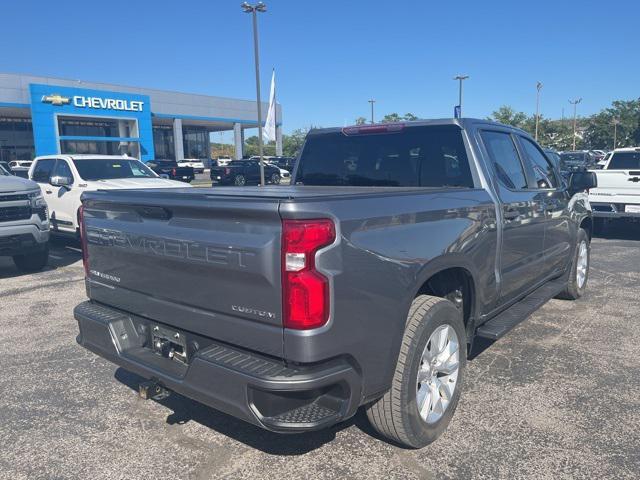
(558, 397)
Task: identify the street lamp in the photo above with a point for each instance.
(616, 122)
(372, 101)
(460, 78)
(254, 9)
(538, 88)
(574, 103)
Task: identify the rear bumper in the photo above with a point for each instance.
(261, 390)
(612, 210)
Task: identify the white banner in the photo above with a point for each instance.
(269, 131)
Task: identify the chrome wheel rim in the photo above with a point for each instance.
(239, 180)
(438, 374)
(275, 178)
(582, 264)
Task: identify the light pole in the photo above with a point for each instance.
(460, 78)
(538, 88)
(574, 103)
(372, 101)
(615, 122)
(253, 10)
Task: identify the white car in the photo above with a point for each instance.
(603, 161)
(20, 168)
(285, 175)
(196, 164)
(224, 161)
(63, 178)
(618, 191)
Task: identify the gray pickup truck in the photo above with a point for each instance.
(363, 284)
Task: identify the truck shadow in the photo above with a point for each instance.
(621, 230)
(63, 251)
(186, 410)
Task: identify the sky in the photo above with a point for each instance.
(332, 56)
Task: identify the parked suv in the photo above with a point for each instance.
(24, 222)
(64, 178)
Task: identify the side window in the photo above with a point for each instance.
(505, 159)
(542, 168)
(62, 169)
(42, 170)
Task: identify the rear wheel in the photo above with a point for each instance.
(32, 262)
(275, 179)
(577, 282)
(239, 181)
(426, 385)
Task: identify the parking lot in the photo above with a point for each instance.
(556, 398)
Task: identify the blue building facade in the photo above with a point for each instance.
(48, 116)
(59, 113)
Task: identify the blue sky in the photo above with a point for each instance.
(332, 56)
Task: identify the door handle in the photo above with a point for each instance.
(48, 191)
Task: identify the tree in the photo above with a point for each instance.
(291, 144)
(507, 115)
(394, 117)
(360, 121)
(599, 129)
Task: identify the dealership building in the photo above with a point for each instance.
(48, 116)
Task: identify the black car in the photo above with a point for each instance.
(244, 172)
(170, 169)
(284, 162)
(576, 161)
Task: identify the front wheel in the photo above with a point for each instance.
(239, 181)
(32, 262)
(275, 179)
(428, 378)
(579, 274)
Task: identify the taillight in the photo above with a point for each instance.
(227, 171)
(373, 129)
(305, 291)
(173, 172)
(83, 241)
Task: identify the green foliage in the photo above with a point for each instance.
(599, 131)
(360, 121)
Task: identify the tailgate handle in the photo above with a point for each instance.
(157, 213)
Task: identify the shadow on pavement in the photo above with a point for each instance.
(63, 251)
(186, 410)
(620, 230)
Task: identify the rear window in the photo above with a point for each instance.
(625, 161)
(428, 156)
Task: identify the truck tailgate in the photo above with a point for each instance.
(616, 186)
(201, 263)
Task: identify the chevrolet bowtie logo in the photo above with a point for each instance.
(56, 99)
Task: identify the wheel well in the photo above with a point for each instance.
(587, 224)
(454, 284)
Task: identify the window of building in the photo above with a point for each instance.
(98, 147)
(163, 142)
(195, 142)
(505, 159)
(16, 139)
(88, 127)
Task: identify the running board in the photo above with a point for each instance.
(499, 325)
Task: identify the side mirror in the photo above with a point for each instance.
(59, 181)
(580, 181)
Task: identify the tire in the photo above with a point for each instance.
(577, 282)
(396, 415)
(275, 179)
(239, 181)
(32, 262)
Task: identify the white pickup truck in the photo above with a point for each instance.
(618, 192)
